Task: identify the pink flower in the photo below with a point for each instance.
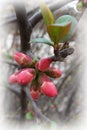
(25, 77)
(43, 77)
(35, 94)
(49, 89)
(13, 79)
(22, 59)
(34, 91)
(54, 72)
(43, 64)
(30, 70)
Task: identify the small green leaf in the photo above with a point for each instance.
(80, 6)
(47, 14)
(42, 40)
(29, 115)
(8, 56)
(64, 20)
(34, 60)
(58, 31)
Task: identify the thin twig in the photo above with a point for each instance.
(73, 67)
(70, 101)
(10, 62)
(62, 54)
(13, 89)
(38, 112)
(23, 103)
(35, 107)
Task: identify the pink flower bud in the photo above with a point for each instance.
(25, 77)
(22, 59)
(30, 70)
(49, 89)
(35, 94)
(13, 79)
(43, 64)
(43, 77)
(54, 72)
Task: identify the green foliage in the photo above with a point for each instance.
(58, 31)
(47, 14)
(8, 56)
(80, 6)
(29, 115)
(64, 20)
(42, 40)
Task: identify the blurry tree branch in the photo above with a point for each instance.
(70, 101)
(37, 16)
(25, 33)
(10, 62)
(39, 114)
(68, 72)
(24, 26)
(62, 54)
(36, 109)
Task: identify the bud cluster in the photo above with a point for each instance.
(37, 73)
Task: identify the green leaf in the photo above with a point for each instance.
(42, 40)
(80, 6)
(64, 20)
(8, 56)
(29, 115)
(47, 14)
(58, 31)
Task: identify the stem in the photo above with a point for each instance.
(35, 107)
(25, 32)
(10, 62)
(24, 27)
(56, 48)
(23, 102)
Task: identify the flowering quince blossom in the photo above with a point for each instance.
(13, 79)
(38, 75)
(43, 77)
(54, 72)
(35, 94)
(49, 89)
(25, 77)
(34, 91)
(22, 59)
(43, 64)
